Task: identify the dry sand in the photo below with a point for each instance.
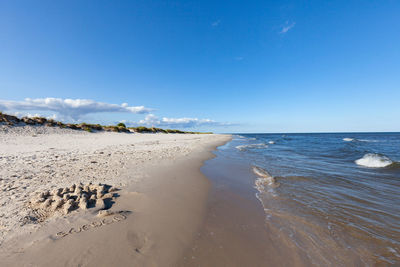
(153, 217)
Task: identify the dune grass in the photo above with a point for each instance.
(120, 127)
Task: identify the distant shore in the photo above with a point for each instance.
(72, 197)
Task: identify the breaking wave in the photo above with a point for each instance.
(271, 142)
(265, 181)
(239, 137)
(244, 147)
(374, 161)
(348, 139)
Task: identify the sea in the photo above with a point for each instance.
(334, 198)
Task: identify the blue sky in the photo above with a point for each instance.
(225, 66)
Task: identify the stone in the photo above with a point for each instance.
(57, 192)
(65, 190)
(69, 206)
(46, 203)
(99, 195)
(86, 188)
(104, 213)
(83, 203)
(100, 188)
(38, 200)
(56, 198)
(92, 187)
(58, 203)
(100, 204)
(72, 188)
(112, 189)
(78, 191)
(108, 195)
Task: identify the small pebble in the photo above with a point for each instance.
(103, 213)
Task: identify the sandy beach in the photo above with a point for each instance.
(74, 198)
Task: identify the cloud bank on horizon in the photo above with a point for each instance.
(75, 109)
(153, 121)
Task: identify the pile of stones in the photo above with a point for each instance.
(78, 196)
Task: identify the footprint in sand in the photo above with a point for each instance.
(139, 242)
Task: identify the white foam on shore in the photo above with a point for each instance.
(244, 147)
(374, 161)
(265, 182)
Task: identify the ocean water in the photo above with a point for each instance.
(334, 198)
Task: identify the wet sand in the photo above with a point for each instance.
(234, 232)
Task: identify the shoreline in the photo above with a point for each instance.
(233, 232)
(159, 214)
(288, 218)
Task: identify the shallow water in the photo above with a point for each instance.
(333, 198)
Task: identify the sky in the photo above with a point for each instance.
(222, 66)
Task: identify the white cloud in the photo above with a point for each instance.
(73, 108)
(216, 23)
(152, 120)
(32, 115)
(287, 27)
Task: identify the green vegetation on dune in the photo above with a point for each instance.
(120, 127)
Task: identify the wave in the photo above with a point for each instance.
(348, 139)
(240, 137)
(264, 181)
(271, 142)
(244, 147)
(374, 161)
(394, 165)
(241, 147)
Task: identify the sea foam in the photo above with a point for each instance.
(348, 139)
(244, 147)
(265, 181)
(374, 161)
